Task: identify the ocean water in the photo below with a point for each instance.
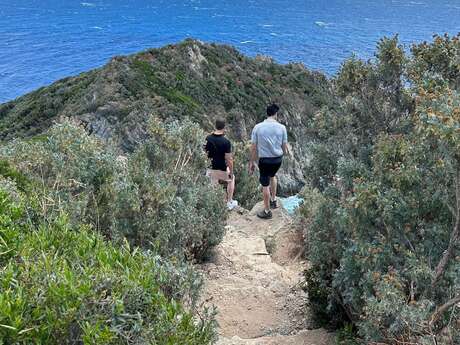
(44, 40)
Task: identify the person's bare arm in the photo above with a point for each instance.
(286, 150)
(253, 153)
(285, 145)
(253, 157)
(229, 161)
(253, 150)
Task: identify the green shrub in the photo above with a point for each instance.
(247, 190)
(346, 336)
(62, 284)
(12, 174)
(157, 197)
(175, 206)
(382, 228)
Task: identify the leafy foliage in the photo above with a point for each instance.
(67, 285)
(387, 205)
(63, 195)
(156, 198)
(247, 190)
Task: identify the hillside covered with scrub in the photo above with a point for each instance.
(104, 206)
(190, 80)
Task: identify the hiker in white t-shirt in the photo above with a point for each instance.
(269, 144)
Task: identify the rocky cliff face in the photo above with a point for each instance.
(188, 80)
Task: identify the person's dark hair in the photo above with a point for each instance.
(272, 109)
(220, 124)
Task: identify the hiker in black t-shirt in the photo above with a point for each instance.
(219, 150)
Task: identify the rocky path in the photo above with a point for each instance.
(254, 281)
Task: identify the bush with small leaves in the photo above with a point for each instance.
(65, 194)
(62, 284)
(247, 185)
(157, 197)
(387, 208)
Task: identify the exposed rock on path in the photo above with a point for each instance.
(254, 280)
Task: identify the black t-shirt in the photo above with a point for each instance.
(216, 147)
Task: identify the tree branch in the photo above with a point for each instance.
(344, 307)
(439, 311)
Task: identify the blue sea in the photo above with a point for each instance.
(45, 40)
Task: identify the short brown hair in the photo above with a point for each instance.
(220, 124)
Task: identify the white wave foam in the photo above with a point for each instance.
(87, 4)
(97, 28)
(246, 42)
(322, 24)
(205, 8)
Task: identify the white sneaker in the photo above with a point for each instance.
(232, 204)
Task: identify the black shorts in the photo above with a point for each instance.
(268, 167)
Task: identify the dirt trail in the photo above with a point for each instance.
(254, 280)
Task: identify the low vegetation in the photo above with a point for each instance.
(95, 246)
(382, 209)
(63, 284)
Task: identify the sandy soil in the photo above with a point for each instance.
(254, 280)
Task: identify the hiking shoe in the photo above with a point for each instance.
(232, 204)
(273, 204)
(265, 214)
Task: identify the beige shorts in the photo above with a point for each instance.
(218, 176)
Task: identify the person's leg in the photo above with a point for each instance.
(219, 177)
(273, 187)
(230, 189)
(265, 182)
(273, 170)
(213, 176)
(266, 193)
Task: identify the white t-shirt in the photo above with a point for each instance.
(269, 136)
